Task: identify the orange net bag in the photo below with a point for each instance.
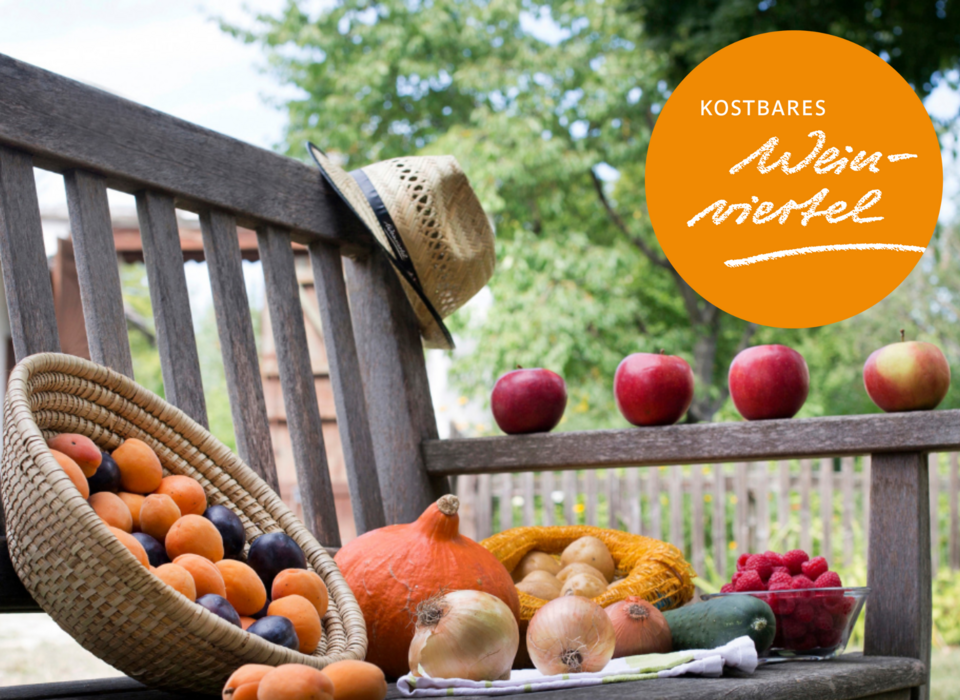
(655, 571)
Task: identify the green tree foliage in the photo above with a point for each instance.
(918, 39)
(549, 108)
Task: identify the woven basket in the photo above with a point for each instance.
(89, 583)
(655, 571)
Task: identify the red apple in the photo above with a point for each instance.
(653, 389)
(529, 401)
(768, 381)
(907, 376)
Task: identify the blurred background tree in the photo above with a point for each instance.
(549, 107)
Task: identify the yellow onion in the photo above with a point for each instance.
(570, 635)
(640, 628)
(464, 634)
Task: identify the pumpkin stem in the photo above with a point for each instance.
(449, 504)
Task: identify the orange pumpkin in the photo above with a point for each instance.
(393, 569)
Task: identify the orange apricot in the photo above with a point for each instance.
(205, 574)
(304, 583)
(302, 613)
(112, 510)
(246, 621)
(356, 680)
(178, 578)
(246, 674)
(187, 493)
(194, 534)
(140, 470)
(245, 591)
(80, 449)
(247, 691)
(74, 472)
(295, 682)
(130, 542)
(157, 515)
(133, 501)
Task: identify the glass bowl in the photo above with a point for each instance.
(812, 623)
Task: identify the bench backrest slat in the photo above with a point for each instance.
(66, 124)
(221, 248)
(179, 363)
(26, 278)
(97, 271)
(899, 621)
(299, 389)
(345, 377)
(395, 383)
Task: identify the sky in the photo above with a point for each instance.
(170, 55)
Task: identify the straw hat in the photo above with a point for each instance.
(430, 224)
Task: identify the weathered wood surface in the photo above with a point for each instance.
(846, 678)
(826, 507)
(97, 271)
(899, 618)
(67, 125)
(719, 523)
(176, 343)
(806, 517)
(351, 406)
(546, 497)
(240, 360)
(933, 431)
(296, 380)
(395, 384)
(506, 502)
(954, 491)
(26, 279)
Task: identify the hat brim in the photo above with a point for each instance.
(350, 193)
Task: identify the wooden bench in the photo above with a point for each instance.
(395, 461)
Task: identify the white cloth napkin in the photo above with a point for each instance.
(740, 654)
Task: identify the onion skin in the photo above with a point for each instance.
(464, 634)
(640, 628)
(570, 635)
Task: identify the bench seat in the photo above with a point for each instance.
(850, 677)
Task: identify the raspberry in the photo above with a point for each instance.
(828, 638)
(794, 559)
(803, 612)
(839, 622)
(814, 568)
(736, 576)
(727, 588)
(802, 582)
(848, 605)
(781, 569)
(780, 577)
(831, 579)
(823, 620)
(759, 563)
(808, 642)
(749, 581)
(786, 604)
(774, 559)
(792, 630)
(742, 562)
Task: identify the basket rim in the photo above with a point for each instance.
(194, 618)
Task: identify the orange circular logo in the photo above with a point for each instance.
(794, 179)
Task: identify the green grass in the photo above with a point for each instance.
(945, 674)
